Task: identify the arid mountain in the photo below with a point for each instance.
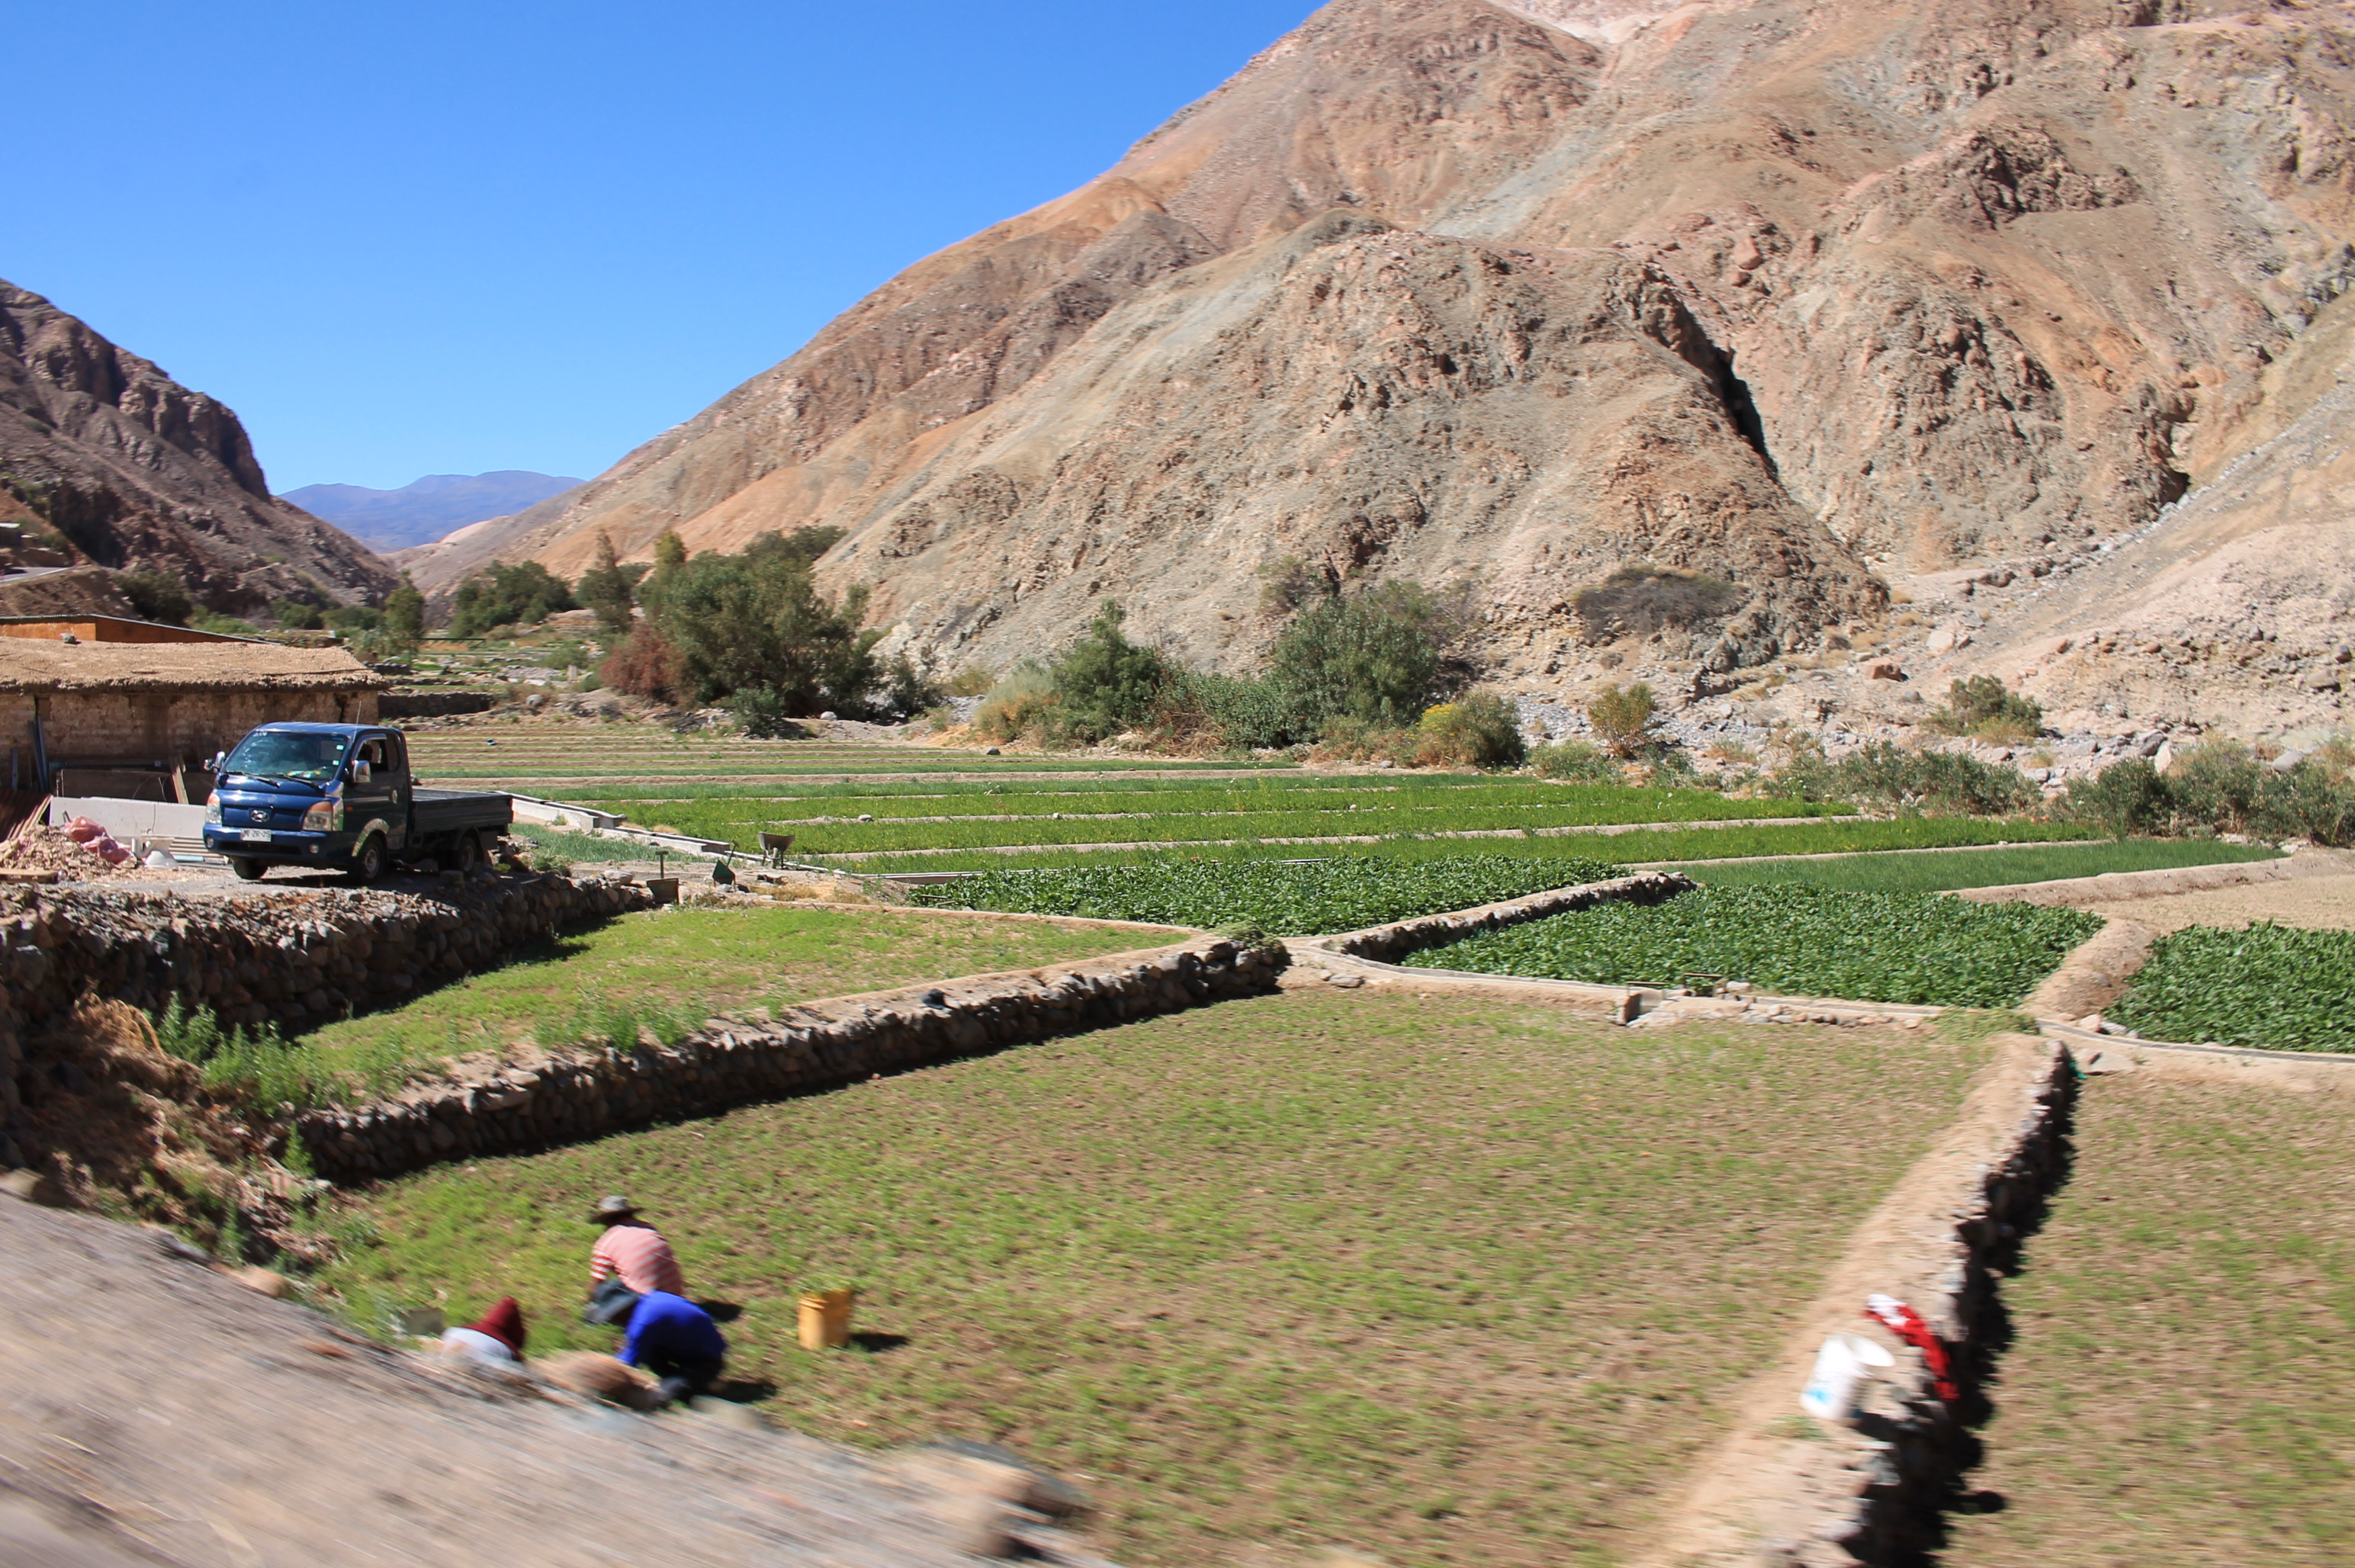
(137, 471)
(1824, 299)
(428, 508)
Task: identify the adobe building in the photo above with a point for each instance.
(105, 629)
(144, 720)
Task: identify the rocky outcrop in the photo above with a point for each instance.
(1809, 299)
(138, 472)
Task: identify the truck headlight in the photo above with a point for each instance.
(327, 817)
(212, 808)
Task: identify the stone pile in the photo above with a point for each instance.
(734, 1061)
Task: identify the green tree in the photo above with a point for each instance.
(740, 623)
(1106, 683)
(404, 616)
(501, 595)
(610, 588)
(1379, 657)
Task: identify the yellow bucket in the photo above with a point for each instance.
(825, 1320)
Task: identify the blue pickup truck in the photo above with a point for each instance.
(340, 797)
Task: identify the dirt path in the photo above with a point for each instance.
(160, 1414)
(2326, 903)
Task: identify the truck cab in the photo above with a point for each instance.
(341, 797)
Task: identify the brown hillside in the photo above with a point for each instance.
(141, 473)
(1795, 295)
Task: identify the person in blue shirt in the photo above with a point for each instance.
(676, 1340)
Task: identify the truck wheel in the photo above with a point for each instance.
(367, 863)
(470, 855)
(247, 870)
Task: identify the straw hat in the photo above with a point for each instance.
(611, 1210)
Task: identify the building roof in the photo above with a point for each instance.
(110, 629)
(28, 665)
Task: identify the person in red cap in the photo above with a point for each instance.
(495, 1338)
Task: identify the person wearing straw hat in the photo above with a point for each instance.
(629, 1260)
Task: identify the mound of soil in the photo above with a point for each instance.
(39, 849)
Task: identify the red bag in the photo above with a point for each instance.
(1907, 1325)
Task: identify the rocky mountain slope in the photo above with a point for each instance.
(1831, 300)
(428, 508)
(139, 472)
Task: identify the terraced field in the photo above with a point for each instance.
(1454, 1283)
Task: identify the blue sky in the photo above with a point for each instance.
(446, 237)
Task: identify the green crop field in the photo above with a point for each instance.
(1347, 893)
(1931, 873)
(1642, 845)
(1456, 1282)
(2180, 1391)
(1794, 939)
(667, 970)
(2273, 987)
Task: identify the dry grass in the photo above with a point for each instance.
(2182, 1388)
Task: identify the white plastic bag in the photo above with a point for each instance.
(1844, 1362)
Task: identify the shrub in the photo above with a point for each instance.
(1105, 683)
(646, 665)
(1349, 740)
(741, 622)
(1481, 730)
(296, 615)
(1981, 707)
(908, 690)
(157, 596)
(2220, 787)
(502, 595)
(1379, 657)
(1641, 599)
(1023, 699)
(1622, 717)
(803, 546)
(762, 714)
(1930, 781)
(1574, 761)
(973, 680)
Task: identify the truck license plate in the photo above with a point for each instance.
(253, 834)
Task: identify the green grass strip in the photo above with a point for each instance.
(1938, 871)
(1795, 940)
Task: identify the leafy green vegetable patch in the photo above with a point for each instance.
(1345, 893)
(1794, 939)
(2271, 987)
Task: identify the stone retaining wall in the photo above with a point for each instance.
(1919, 1447)
(732, 1061)
(1388, 944)
(296, 957)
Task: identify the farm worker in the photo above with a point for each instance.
(629, 1260)
(676, 1340)
(497, 1337)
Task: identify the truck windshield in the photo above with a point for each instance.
(287, 754)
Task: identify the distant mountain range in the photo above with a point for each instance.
(424, 511)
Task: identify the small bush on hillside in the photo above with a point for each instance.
(157, 596)
(1574, 761)
(1622, 717)
(1931, 781)
(1983, 708)
(1481, 730)
(1347, 740)
(610, 588)
(1640, 600)
(973, 680)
